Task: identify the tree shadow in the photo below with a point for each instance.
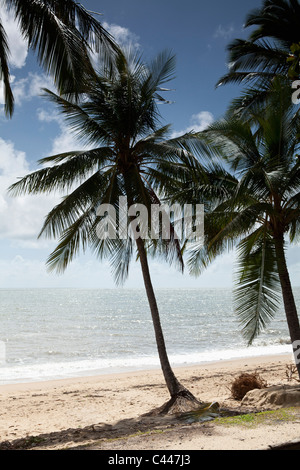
(89, 434)
(76, 438)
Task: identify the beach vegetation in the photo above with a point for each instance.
(268, 417)
(246, 382)
(257, 212)
(128, 153)
(290, 372)
(62, 35)
(254, 202)
(247, 175)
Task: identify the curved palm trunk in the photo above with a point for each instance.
(174, 386)
(288, 298)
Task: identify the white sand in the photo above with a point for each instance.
(106, 411)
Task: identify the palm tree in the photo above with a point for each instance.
(62, 33)
(118, 117)
(257, 210)
(272, 48)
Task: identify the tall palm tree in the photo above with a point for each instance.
(257, 211)
(62, 33)
(272, 48)
(118, 117)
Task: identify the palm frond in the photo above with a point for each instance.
(256, 294)
(87, 195)
(64, 175)
(276, 19)
(74, 239)
(251, 101)
(62, 35)
(162, 69)
(5, 73)
(81, 122)
(122, 253)
(258, 62)
(234, 140)
(294, 232)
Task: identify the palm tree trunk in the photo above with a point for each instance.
(174, 386)
(288, 298)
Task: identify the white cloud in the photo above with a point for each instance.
(27, 88)
(123, 36)
(12, 161)
(17, 44)
(224, 32)
(48, 116)
(198, 123)
(65, 142)
(30, 87)
(36, 82)
(21, 217)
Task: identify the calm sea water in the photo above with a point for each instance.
(59, 333)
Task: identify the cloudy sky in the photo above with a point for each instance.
(197, 32)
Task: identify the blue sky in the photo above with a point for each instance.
(197, 32)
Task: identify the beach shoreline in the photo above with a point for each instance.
(95, 375)
(111, 402)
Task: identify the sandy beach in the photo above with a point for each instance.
(106, 412)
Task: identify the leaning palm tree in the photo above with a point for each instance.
(272, 48)
(127, 155)
(62, 33)
(257, 211)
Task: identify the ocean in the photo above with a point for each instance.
(59, 333)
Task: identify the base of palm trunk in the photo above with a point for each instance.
(181, 402)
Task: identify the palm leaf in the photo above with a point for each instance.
(277, 19)
(256, 297)
(235, 141)
(63, 176)
(74, 239)
(4, 72)
(61, 33)
(88, 194)
(81, 122)
(254, 62)
(162, 69)
(122, 252)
